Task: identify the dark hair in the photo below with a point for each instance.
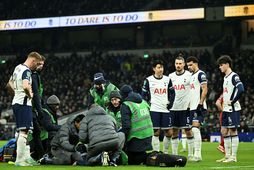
(157, 62)
(79, 118)
(224, 59)
(193, 59)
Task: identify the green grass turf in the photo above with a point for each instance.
(209, 152)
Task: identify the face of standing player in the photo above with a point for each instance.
(179, 65)
(40, 66)
(192, 67)
(33, 63)
(115, 101)
(224, 67)
(158, 70)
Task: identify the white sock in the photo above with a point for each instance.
(21, 147)
(227, 144)
(190, 142)
(235, 142)
(197, 142)
(166, 143)
(175, 146)
(184, 141)
(156, 143)
(27, 152)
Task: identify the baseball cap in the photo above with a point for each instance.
(98, 79)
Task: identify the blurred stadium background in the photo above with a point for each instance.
(120, 38)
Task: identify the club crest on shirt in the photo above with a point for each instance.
(203, 77)
(237, 79)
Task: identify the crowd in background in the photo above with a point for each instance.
(70, 78)
(114, 44)
(47, 8)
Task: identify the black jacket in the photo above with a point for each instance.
(134, 145)
(47, 123)
(37, 100)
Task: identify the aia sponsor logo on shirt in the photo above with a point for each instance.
(160, 91)
(179, 87)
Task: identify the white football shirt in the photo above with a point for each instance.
(181, 84)
(197, 79)
(229, 91)
(21, 72)
(159, 93)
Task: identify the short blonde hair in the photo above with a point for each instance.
(35, 55)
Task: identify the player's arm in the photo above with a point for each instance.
(171, 94)
(203, 81)
(204, 93)
(26, 76)
(10, 85)
(145, 91)
(218, 103)
(239, 88)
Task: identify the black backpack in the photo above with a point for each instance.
(165, 160)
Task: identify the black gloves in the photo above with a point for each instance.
(80, 147)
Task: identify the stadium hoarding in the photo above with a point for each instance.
(132, 17)
(30, 23)
(239, 11)
(103, 19)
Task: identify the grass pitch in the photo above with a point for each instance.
(210, 155)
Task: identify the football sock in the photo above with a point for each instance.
(235, 142)
(190, 142)
(156, 143)
(184, 141)
(166, 143)
(175, 142)
(227, 144)
(21, 147)
(197, 142)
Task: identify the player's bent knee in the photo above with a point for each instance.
(169, 132)
(188, 133)
(156, 132)
(196, 124)
(224, 131)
